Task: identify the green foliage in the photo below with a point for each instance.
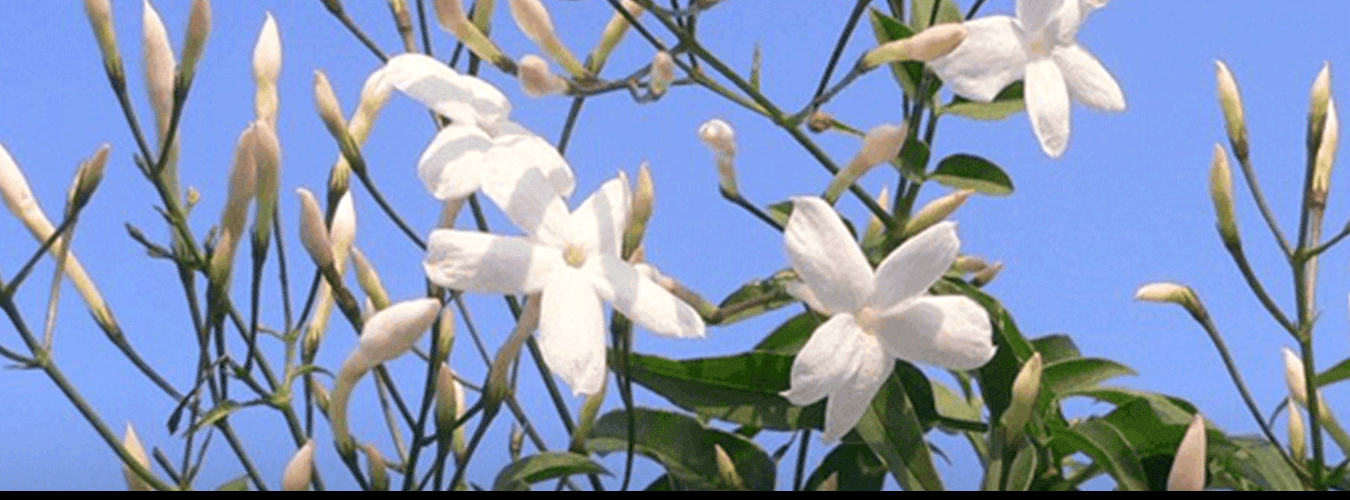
(519, 475)
(684, 447)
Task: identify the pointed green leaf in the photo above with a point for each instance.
(743, 389)
(757, 297)
(857, 467)
(1334, 374)
(789, 338)
(1056, 348)
(893, 431)
(1023, 470)
(549, 465)
(684, 447)
(963, 171)
(1103, 442)
(1076, 374)
(914, 158)
(1008, 102)
(214, 415)
(237, 484)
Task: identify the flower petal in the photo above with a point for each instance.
(1035, 15)
(461, 98)
(850, 401)
(803, 293)
(598, 224)
(991, 58)
(480, 262)
(950, 331)
(530, 201)
(1088, 81)
(571, 330)
(826, 361)
(1047, 101)
(452, 165)
(826, 257)
(909, 270)
(544, 156)
(641, 299)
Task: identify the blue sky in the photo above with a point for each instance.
(1126, 205)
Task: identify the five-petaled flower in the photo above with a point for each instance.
(572, 259)
(480, 141)
(875, 317)
(1039, 46)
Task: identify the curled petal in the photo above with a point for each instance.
(571, 330)
(463, 99)
(851, 399)
(1088, 81)
(909, 270)
(544, 156)
(948, 331)
(826, 257)
(991, 58)
(641, 299)
(598, 224)
(827, 360)
(480, 262)
(453, 164)
(1047, 100)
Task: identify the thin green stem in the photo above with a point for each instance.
(1240, 258)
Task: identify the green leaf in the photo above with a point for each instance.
(237, 484)
(1334, 374)
(909, 73)
(893, 431)
(1008, 102)
(789, 338)
(1023, 470)
(1256, 460)
(857, 467)
(1103, 442)
(684, 447)
(742, 389)
(549, 465)
(914, 157)
(1076, 374)
(951, 405)
(758, 297)
(1056, 348)
(922, 11)
(214, 415)
(963, 171)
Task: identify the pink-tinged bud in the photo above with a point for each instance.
(880, 145)
(198, 30)
(133, 445)
(536, 78)
(451, 13)
(718, 136)
(159, 66)
(377, 468)
(663, 72)
(242, 186)
(932, 43)
(452, 18)
(300, 469)
(313, 233)
(1188, 467)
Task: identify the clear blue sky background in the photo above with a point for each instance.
(1126, 205)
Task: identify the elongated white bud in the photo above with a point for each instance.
(300, 469)
(614, 31)
(1326, 152)
(313, 233)
(198, 30)
(1298, 431)
(159, 66)
(133, 445)
(267, 160)
(718, 136)
(242, 185)
(369, 279)
(394, 330)
(450, 14)
(342, 232)
(1026, 389)
(537, 80)
(726, 470)
(267, 69)
(1188, 467)
(932, 43)
(1221, 193)
(880, 145)
(378, 470)
(663, 72)
(1320, 105)
(1173, 293)
(936, 211)
(1293, 377)
(100, 19)
(327, 103)
(537, 25)
(1231, 101)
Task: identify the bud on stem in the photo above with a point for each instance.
(537, 80)
(614, 31)
(194, 43)
(1231, 102)
(931, 43)
(450, 14)
(880, 145)
(134, 447)
(100, 19)
(300, 469)
(1026, 388)
(1173, 293)
(663, 73)
(1188, 466)
(535, 22)
(1221, 193)
(266, 70)
(936, 211)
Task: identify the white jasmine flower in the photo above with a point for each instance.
(1039, 47)
(573, 260)
(876, 316)
(481, 140)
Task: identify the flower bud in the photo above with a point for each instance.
(876, 228)
(936, 211)
(614, 31)
(159, 67)
(300, 469)
(537, 80)
(967, 264)
(1298, 432)
(450, 14)
(375, 465)
(1326, 153)
(1173, 293)
(986, 275)
(369, 279)
(820, 121)
(516, 442)
(100, 19)
(266, 70)
(726, 470)
(1293, 377)
(644, 194)
(1026, 388)
(320, 393)
(198, 29)
(1320, 105)
(394, 330)
(329, 109)
(88, 177)
(313, 234)
(242, 184)
(133, 445)
(1188, 467)
(1231, 102)
(663, 72)
(342, 231)
(535, 22)
(267, 161)
(449, 401)
(1221, 193)
(718, 136)
(590, 409)
(374, 95)
(881, 144)
(934, 42)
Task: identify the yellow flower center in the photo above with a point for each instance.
(574, 256)
(867, 319)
